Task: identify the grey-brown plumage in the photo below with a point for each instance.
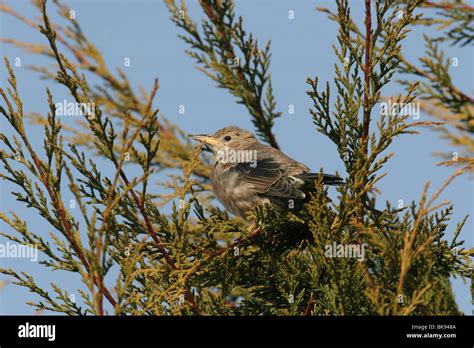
(247, 173)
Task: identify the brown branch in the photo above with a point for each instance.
(309, 308)
(65, 221)
(100, 299)
(367, 76)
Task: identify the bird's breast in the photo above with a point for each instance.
(235, 194)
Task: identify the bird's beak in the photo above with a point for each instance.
(206, 139)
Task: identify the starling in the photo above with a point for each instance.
(247, 173)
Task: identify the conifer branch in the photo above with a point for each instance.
(116, 95)
(232, 59)
(16, 120)
(72, 85)
(444, 100)
(408, 254)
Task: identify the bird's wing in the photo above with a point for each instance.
(267, 178)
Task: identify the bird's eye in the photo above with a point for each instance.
(227, 138)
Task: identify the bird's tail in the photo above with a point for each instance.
(328, 179)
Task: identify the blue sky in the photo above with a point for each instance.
(301, 48)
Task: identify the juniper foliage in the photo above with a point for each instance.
(437, 94)
(198, 260)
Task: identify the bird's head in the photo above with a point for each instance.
(226, 138)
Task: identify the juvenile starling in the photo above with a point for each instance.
(247, 173)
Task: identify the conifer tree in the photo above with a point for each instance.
(199, 260)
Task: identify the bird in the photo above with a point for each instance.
(248, 173)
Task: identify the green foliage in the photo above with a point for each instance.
(197, 259)
(440, 98)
